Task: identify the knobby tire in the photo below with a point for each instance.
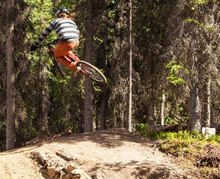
(91, 71)
(58, 65)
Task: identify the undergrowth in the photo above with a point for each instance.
(183, 143)
(184, 137)
(188, 144)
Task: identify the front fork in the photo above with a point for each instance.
(78, 68)
(57, 64)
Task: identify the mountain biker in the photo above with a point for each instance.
(68, 34)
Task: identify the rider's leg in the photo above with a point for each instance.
(64, 48)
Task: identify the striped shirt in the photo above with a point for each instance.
(66, 29)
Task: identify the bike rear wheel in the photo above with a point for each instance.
(91, 71)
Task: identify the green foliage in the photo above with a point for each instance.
(201, 1)
(215, 138)
(207, 27)
(195, 21)
(181, 147)
(3, 123)
(174, 72)
(185, 135)
(40, 16)
(169, 120)
(60, 93)
(142, 128)
(152, 34)
(182, 143)
(176, 113)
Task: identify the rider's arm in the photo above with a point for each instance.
(44, 34)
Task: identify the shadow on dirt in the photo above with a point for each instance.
(133, 170)
(21, 150)
(106, 138)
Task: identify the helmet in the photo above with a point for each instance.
(62, 10)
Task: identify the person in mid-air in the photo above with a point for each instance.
(68, 34)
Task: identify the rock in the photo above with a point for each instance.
(55, 169)
(43, 171)
(74, 177)
(59, 169)
(67, 158)
(40, 158)
(51, 171)
(57, 176)
(80, 173)
(71, 167)
(62, 174)
(67, 176)
(207, 131)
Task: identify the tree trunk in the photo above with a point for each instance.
(162, 122)
(194, 100)
(43, 109)
(103, 108)
(154, 114)
(10, 131)
(104, 89)
(208, 102)
(129, 107)
(88, 118)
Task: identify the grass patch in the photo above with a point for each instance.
(203, 152)
(183, 143)
(180, 143)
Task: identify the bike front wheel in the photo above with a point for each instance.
(91, 71)
(57, 64)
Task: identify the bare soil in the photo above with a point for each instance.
(105, 154)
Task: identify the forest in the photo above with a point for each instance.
(160, 58)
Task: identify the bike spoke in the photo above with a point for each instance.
(92, 73)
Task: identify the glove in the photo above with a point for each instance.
(33, 48)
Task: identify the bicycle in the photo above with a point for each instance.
(84, 67)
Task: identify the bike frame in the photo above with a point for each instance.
(70, 58)
(51, 54)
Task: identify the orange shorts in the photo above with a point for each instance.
(65, 48)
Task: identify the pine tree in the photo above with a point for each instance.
(10, 132)
(88, 119)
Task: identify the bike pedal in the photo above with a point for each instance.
(78, 68)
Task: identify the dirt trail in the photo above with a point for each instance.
(107, 154)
